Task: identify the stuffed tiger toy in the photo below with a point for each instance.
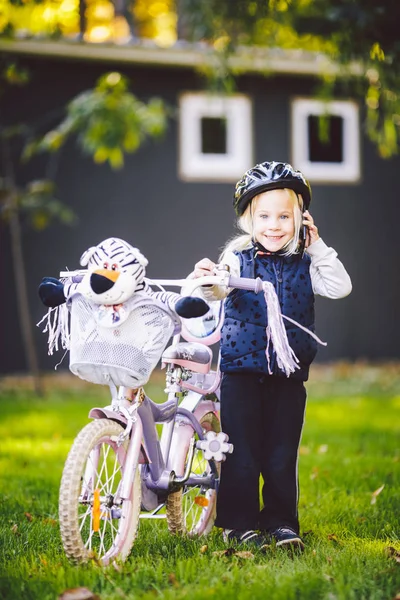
(115, 272)
(112, 285)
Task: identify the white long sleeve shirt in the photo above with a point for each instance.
(329, 278)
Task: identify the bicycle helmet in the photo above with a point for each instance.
(269, 176)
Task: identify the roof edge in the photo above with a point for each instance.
(245, 60)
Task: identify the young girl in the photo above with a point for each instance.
(262, 412)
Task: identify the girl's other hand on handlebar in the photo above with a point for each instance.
(203, 268)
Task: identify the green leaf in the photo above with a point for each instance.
(108, 121)
(40, 220)
(116, 158)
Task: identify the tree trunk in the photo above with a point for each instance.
(25, 318)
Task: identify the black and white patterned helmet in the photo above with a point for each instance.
(269, 176)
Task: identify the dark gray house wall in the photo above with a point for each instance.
(175, 223)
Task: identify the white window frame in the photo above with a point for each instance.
(347, 171)
(194, 165)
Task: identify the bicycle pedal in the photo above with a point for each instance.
(215, 446)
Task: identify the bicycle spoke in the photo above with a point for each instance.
(102, 534)
(99, 475)
(88, 543)
(106, 466)
(105, 486)
(116, 469)
(109, 486)
(94, 467)
(114, 529)
(83, 517)
(88, 477)
(188, 508)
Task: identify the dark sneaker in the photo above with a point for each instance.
(244, 537)
(285, 536)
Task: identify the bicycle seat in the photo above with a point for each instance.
(190, 355)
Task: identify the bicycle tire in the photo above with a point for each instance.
(187, 513)
(87, 469)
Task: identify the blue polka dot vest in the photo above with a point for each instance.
(243, 336)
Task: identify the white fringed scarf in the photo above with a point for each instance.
(57, 327)
(276, 333)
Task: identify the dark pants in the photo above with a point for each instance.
(263, 416)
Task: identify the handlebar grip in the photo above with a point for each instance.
(76, 278)
(244, 283)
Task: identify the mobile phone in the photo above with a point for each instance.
(303, 238)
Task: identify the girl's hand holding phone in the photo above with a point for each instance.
(312, 229)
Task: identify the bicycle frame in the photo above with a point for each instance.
(177, 470)
(162, 469)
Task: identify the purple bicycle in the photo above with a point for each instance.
(119, 468)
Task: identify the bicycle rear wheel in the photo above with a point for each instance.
(192, 510)
(94, 521)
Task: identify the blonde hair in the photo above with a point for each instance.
(245, 224)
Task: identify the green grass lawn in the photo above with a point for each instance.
(349, 451)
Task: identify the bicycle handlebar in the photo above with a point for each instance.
(241, 283)
(189, 285)
(244, 283)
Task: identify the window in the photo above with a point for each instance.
(215, 137)
(325, 140)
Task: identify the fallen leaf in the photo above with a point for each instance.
(51, 522)
(376, 493)
(172, 580)
(80, 593)
(28, 516)
(244, 554)
(14, 528)
(333, 537)
(203, 549)
(329, 559)
(323, 449)
(227, 552)
(390, 551)
(314, 473)
(304, 450)
(232, 552)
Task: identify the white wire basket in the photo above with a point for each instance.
(123, 353)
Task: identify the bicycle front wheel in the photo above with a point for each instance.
(94, 521)
(192, 510)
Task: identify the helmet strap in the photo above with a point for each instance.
(261, 251)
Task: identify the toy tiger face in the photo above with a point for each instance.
(115, 271)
